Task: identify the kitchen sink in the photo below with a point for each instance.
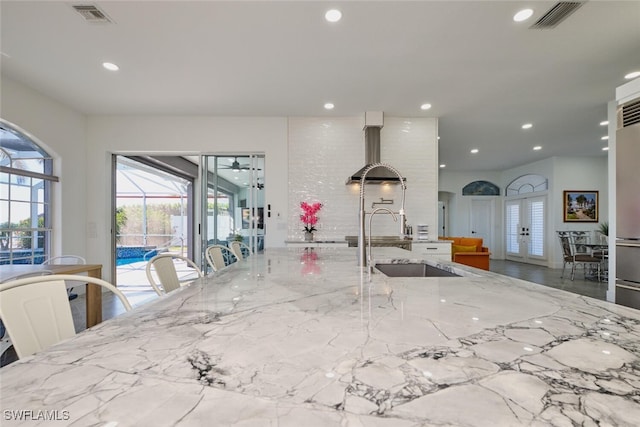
(413, 270)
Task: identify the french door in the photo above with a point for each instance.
(525, 229)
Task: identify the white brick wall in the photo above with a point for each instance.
(323, 152)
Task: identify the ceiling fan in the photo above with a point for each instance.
(237, 167)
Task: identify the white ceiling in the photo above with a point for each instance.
(484, 74)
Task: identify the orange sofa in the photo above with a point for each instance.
(469, 251)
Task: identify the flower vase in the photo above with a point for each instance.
(308, 236)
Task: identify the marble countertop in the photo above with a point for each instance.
(316, 241)
(299, 337)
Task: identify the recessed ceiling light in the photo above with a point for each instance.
(474, 150)
(443, 165)
(333, 15)
(537, 147)
(604, 123)
(632, 75)
(110, 66)
(328, 106)
(604, 138)
(605, 148)
(527, 126)
(425, 106)
(523, 15)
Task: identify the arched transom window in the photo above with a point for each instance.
(527, 184)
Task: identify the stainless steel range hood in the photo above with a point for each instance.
(380, 175)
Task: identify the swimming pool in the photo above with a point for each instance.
(130, 254)
(125, 261)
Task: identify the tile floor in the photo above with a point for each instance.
(134, 285)
(551, 277)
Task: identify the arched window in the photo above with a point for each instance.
(25, 181)
(527, 184)
(480, 188)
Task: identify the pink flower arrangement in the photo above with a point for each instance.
(308, 260)
(309, 217)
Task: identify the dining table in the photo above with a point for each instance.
(306, 337)
(93, 292)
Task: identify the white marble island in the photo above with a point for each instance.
(296, 337)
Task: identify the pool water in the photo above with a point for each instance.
(125, 261)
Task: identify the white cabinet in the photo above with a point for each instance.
(435, 249)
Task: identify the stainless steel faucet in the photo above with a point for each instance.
(369, 257)
(362, 260)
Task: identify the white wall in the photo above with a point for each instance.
(324, 152)
(82, 147)
(182, 135)
(576, 173)
(563, 173)
(62, 133)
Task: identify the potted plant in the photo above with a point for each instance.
(603, 228)
(309, 218)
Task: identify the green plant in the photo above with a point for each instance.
(121, 221)
(603, 228)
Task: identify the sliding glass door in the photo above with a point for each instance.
(152, 212)
(233, 200)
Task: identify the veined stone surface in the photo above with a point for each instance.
(271, 342)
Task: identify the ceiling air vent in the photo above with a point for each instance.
(556, 14)
(92, 14)
(631, 114)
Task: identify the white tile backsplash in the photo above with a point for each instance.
(323, 152)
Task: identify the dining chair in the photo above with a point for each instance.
(240, 250)
(571, 255)
(5, 339)
(171, 272)
(67, 259)
(219, 257)
(37, 313)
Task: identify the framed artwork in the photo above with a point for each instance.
(580, 206)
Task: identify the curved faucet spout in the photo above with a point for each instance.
(395, 219)
(362, 261)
